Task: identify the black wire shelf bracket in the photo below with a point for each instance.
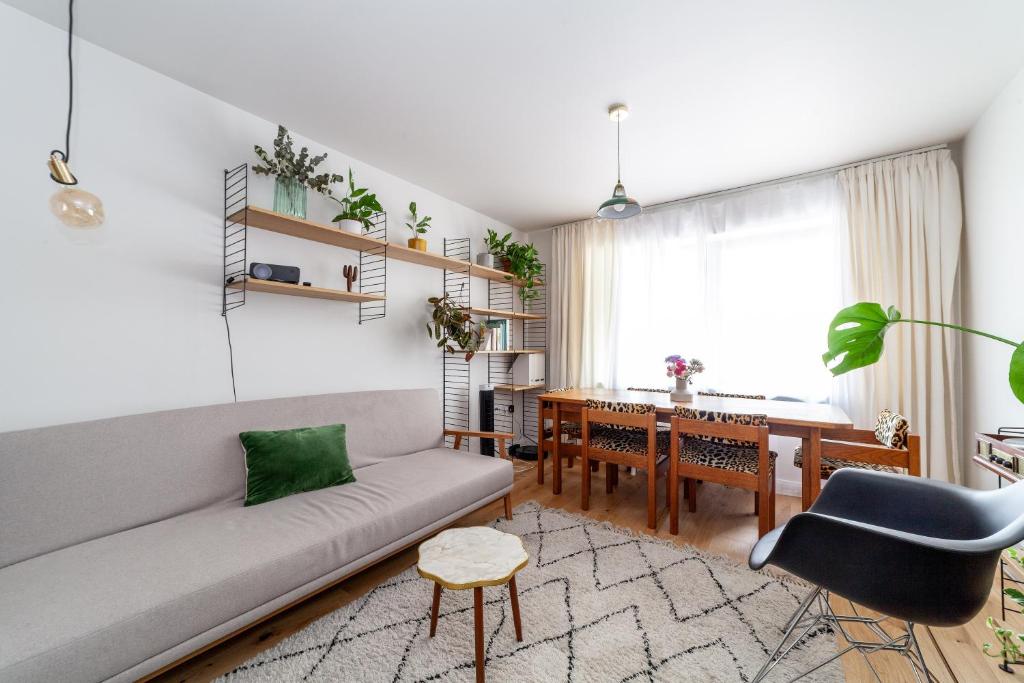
(455, 375)
(236, 231)
(373, 270)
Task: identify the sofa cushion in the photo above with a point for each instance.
(72, 483)
(92, 610)
(288, 461)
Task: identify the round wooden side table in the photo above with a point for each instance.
(473, 557)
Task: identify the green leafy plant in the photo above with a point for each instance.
(1013, 593)
(419, 225)
(856, 338)
(287, 166)
(358, 204)
(496, 245)
(451, 324)
(524, 266)
(1009, 648)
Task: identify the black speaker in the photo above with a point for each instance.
(487, 418)
(269, 271)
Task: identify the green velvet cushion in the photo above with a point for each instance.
(289, 461)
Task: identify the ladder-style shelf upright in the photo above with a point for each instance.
(455, 370)
(239, 216)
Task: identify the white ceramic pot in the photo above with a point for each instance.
(485, 259)
(682, 394)
(351, 225)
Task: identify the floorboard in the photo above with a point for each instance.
(724, 524)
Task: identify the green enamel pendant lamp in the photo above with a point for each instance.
(620, 205)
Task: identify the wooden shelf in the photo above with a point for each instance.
(517, 387)
(309, 292)
(507, 315)
(512, 352)
(401, 252)
(283, 224)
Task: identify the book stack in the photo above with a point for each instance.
(496, 336)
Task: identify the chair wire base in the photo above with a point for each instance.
(806, 621)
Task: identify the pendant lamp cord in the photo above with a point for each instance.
(619, 147)
(66, 154)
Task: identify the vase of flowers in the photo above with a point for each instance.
(678, 367)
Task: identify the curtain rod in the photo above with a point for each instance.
(799, 176)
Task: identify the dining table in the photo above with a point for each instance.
(805, 421)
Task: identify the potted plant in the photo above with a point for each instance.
(451, 325)
(683, 371)
(358, 206)
(524, 266)
(293, 174)
(419, 227)
(495, 249)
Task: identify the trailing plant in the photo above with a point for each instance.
(496, 245)
(451, 324)
(419, 225)
(358, 204)
(856, 339)
(1009, 647)
(287, 166)
(525, 266)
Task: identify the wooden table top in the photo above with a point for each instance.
(823, 415)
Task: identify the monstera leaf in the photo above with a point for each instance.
(1017, 372)
(855, 336)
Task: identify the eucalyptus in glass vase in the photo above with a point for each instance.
(293, 174)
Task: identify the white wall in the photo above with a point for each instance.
(132, 323)
(993, 180)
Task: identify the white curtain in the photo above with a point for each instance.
(746, 282)
(902, 246)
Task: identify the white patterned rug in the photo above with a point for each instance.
(598, 604)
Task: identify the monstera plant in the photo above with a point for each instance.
(856, 339)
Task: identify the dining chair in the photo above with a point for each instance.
(567, 428)
(890, 447)
(623, 433)
(919, 551)
(756, 397)
(653, 391)
(725, 448)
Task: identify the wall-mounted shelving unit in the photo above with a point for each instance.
(288, 289)
(239, 216)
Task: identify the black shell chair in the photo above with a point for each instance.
(916, 550)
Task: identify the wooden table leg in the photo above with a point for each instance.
(478, 631)
(813, 464)
(513, 594)
(540, 440)
(805, 479)
(434, 609)
(556, 456)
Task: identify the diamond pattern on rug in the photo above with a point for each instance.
(598, 604)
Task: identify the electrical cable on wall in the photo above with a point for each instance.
(231, 359)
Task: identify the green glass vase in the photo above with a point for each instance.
(290, 197)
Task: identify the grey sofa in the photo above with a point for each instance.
(124, 544)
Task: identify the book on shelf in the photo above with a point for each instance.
(496, 335)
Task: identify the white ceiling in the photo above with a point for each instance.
(500, 104)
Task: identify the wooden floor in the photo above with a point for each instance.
(723, 524)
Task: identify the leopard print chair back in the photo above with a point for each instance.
(620, 407)
(891, 429)
(749, 420)
(652, 391)
(756, 397)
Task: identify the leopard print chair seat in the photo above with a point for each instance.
(891, 430)
(722, 453)
(625, 439)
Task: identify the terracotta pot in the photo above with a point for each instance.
(504, 264)
(418, 243)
